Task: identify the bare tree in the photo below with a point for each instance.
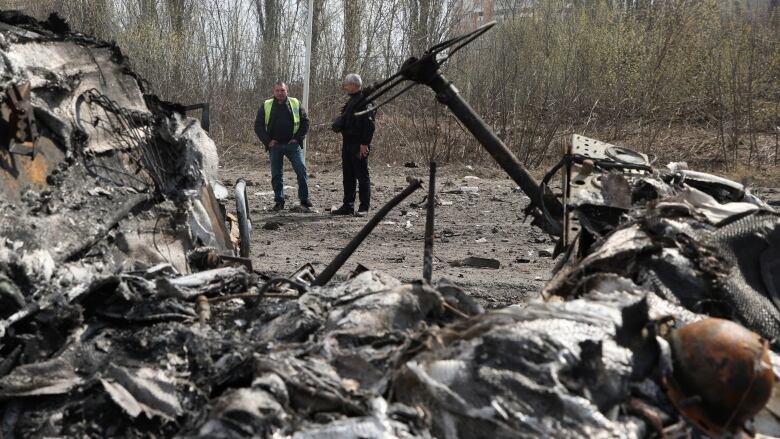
(148, 11)
(316, 36)
(630, 71)
(180, 14)
(352, 36)
(269, 18)
(419, 15)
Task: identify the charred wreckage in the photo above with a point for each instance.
(129, 308)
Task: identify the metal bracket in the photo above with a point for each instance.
(583, 178)
(204, 114)
(305, 275)
(246, 262)
(18, 129)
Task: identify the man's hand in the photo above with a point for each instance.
(272, 143)
(294, 141)
(363, 151)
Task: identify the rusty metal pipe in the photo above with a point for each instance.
(342, 257)
(429, 217)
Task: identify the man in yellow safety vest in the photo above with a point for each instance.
(281, 125)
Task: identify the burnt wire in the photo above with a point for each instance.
(129, 125)
(155, 230)
(134, 130)
(122, 131)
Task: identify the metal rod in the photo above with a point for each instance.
(307, 67)
(375, 90)
(428, 252)
(342, 257)
(425, 70)
(102, 229)
(447, 94)
(372, 108)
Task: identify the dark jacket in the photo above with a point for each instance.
(280, 125)
(355, 129)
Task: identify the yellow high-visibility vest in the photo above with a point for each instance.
(294, 105)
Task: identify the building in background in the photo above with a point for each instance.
(475, 13)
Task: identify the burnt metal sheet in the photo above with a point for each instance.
(587, 183)
(22, 172)
(27, 159)
(216, 221)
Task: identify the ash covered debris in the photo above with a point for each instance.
(107, 329)
(696, 240)
(106, 166)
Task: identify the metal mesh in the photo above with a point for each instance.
(134, 131)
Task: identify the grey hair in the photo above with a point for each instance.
(354, 78)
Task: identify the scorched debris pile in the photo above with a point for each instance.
(109, 197)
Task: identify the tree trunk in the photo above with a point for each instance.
(316, 32)
(147, 11)
(269, 14)
(422, 26)
(351, 35)
(178, 13)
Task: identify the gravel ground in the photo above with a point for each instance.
(487, 223)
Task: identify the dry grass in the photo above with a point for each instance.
(682, 143)
(752, 176)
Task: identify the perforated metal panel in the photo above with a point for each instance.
(582, 180)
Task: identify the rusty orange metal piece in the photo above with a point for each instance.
(26, 158)
(19, 173)
(722, 374)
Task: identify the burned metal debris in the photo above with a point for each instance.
(727, 397)
(127, 310)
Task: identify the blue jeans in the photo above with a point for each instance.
(294, 153)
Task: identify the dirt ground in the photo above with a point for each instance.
(488, 224)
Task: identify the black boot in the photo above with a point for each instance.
(343, 210)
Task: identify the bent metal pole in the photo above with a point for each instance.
(307, 67)
(342, 257)
(426, 71)
(447, 94)
(428, 251)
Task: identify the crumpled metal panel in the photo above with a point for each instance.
(104, 155)
(517, 377)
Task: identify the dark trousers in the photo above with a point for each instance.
(355, 171)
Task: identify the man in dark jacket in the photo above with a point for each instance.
(356, 133)
(282, 125)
